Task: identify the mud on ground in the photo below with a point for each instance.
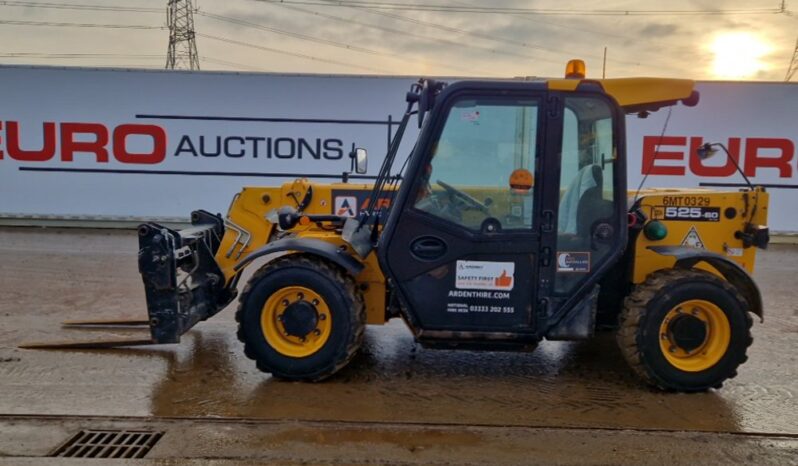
(568, 402)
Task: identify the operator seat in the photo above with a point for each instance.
(582, 205)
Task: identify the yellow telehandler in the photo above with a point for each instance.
(510, 222)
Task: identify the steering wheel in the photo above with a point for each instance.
(467, 199)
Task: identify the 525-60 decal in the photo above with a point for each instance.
(693, 214)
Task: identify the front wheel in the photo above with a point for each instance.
(300, 318)
(685, 330)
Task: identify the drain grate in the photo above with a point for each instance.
(108, 444)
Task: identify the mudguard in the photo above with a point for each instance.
(317, 247)
(687, 258)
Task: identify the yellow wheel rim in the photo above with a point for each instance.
(694, 335)
(296, 321)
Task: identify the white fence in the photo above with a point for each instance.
(152, 144)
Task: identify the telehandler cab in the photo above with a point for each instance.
(509, 223)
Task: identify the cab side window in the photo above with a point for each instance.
(482, 165)
(586, 208)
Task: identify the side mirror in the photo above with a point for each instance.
(361, 161)
(706, 151)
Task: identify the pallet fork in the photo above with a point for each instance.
(182, 282)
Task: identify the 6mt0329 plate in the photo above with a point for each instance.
(692, 214)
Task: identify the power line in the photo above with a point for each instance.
(113, 56)
(306, 37)
(528, 11)
(76, 6)
(231, 63)
(438, 7)
(469, 69)
(210, 15)
(793, 66)
(350, 4)
(284, 52)
(480, 35)
(411, 34)
(86, 7)
(82, 7)
(548, 23)
(78, 25)
(78, 55)
(295, 35)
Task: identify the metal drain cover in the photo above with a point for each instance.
(108, 444)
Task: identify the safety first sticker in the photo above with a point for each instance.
(482, 275)
(692, 239)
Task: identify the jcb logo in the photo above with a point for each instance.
(85, 138)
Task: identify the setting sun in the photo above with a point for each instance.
(737, 55)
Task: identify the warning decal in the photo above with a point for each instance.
(466, 115)
(345, 206)
(692, 239)
(480, 275)
(734, 252)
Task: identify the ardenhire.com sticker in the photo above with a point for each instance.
(482, 275)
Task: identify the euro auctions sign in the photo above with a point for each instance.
(157, 144)
(91, 138)
(755, 121)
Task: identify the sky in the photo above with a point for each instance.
(722, 39)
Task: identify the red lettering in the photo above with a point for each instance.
(697, 165)
(157, 134)
(651, 154)
(97, 147)
(15, 152)
(754, 160)
(382, 203)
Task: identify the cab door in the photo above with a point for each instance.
(586, 194)
(462, 241)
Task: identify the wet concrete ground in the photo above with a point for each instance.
(568, 402)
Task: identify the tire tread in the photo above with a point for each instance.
(635, 308)
(357, 315)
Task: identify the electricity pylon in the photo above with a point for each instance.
(182, 53)
(793, 63)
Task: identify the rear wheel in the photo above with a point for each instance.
(685, 330)
(300, 318)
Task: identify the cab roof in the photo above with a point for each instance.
(635, 95)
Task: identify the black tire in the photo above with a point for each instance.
(646, 307)
(345, 304)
